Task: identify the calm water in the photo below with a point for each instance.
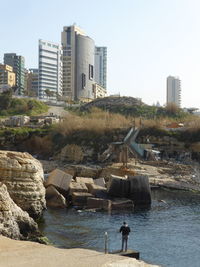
(167, 234)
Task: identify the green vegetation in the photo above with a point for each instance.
(23, 131)
(147, 112)
(128, 106)
(20, 106)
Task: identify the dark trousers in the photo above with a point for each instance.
(124, 242)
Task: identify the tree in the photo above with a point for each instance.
(49, 93)
(6, 99)
(172, 109)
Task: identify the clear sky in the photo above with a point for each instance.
(147, 40)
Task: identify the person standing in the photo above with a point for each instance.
(125, 230)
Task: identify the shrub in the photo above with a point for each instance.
(72, 153)
(40, 145)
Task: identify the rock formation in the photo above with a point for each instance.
(14, 222)
(23, 176)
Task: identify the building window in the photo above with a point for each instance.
(91, 72)
(68, 37)
(83, 80)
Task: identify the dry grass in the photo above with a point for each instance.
(192, 123)
(96, 121)
(40, 145)
(158, 123)
(99, 121)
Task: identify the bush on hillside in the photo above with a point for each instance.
(20, 106)
(130, 106)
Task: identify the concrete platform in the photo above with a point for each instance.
(14, 253)
(129, 253)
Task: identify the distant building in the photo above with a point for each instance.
(7, 77)
(17, 62)
(101, 66)
(32, 82)
(99, 91)
(78, 64)
(50, 69)
(174, 90)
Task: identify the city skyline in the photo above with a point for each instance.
(146, 41)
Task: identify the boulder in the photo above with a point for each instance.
(80, 198)
(77, 187)
(14, 222)
(98, 203)
(60, 180)
(23, 176)
(54, 198)
(140, 190)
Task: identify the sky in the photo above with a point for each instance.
(147, 40)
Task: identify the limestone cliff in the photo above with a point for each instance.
(14, 222)
(23, 176)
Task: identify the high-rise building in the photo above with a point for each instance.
(7, 77)
(50, 69)
(17, 62)
(78, 64)
(101, 66)
(174, 90)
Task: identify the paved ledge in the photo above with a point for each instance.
(14, 253)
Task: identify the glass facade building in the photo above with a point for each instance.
(101, 66)
(50, 70)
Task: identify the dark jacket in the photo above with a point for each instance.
(125, 230)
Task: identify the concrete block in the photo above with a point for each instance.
(98, 203)
(118, 187)
(59, 179)
(96, 189)
(77, 187)
(100, 181)
(54, 199)
(118, 177)
(140, 190)
(80, 198)
(122, 204)
(84, 180)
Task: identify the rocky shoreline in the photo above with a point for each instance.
(166, 174)
(22, 196)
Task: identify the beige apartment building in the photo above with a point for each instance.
(99, 91)
(31, 82)
(7, 77)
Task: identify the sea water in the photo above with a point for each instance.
(167, 234)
